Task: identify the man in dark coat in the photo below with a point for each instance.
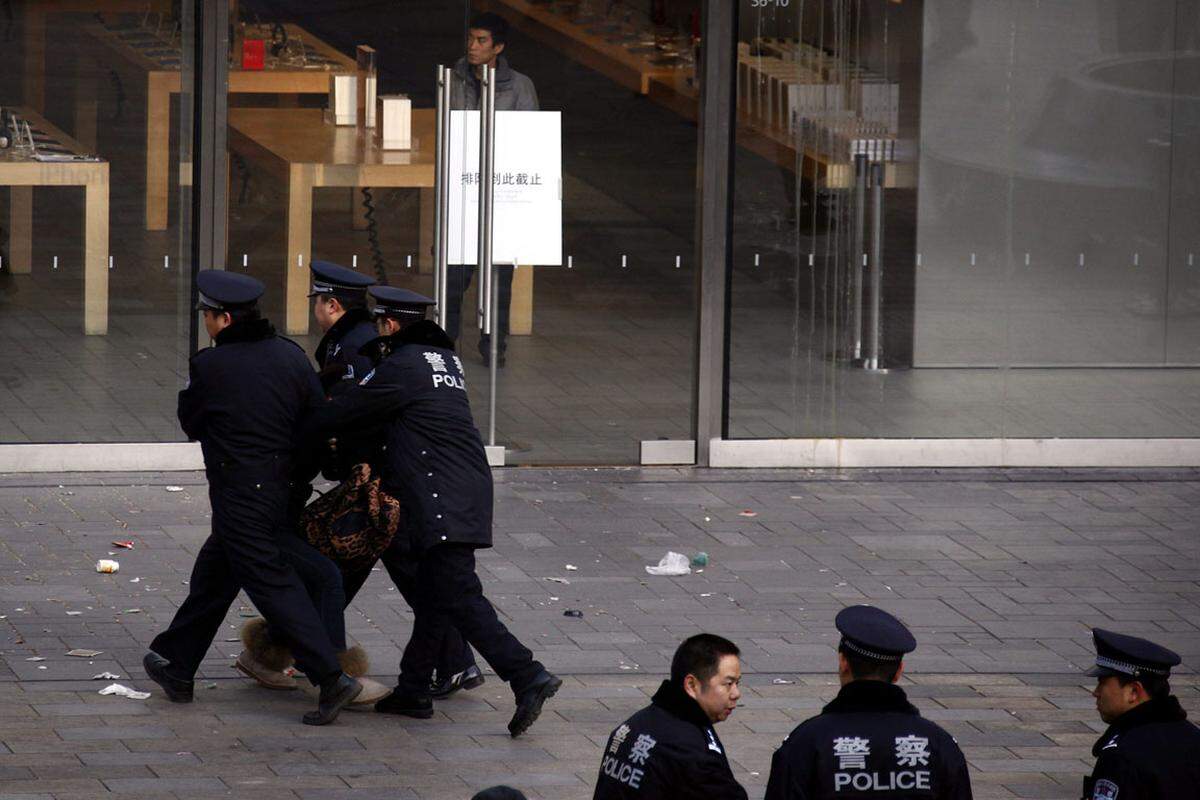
(433, 460)
(870, 741)
(245, 401)
(669, 750)
(1150, 751)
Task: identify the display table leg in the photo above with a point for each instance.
(158, 149)
(95, 255)
(299, 248)
(20, 226)
(520, 311)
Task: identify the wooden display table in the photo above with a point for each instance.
(21, 172)
(302, 149)
(159, 64)
(35, 15)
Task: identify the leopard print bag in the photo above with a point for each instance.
(353, 523)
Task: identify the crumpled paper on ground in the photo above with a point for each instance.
(671, 564)
(124, 691)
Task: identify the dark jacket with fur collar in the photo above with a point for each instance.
(868, 742)
(432, 457)
(1150, 752)
(666, 751)
(247, 397)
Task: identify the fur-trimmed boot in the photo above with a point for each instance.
(356, 664)
(264, 660)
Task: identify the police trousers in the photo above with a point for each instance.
(454, 655)
(323, 581)
(249, 514)
(452, 597)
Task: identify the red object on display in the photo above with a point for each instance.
(253, 54)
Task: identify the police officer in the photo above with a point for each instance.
(870, 741)
(1150, 750)
(669, 750)
(340, 307)
(244, 402)
(433, 460)
(456, 668)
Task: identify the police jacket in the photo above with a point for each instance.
(514, 91)
(338, 355)
(869, 742)
(432, 458)
(1150, 752)
(246, 399)
(666, 751)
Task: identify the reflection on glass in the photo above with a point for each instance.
(1026, 239)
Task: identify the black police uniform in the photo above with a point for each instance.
(869, 741)
(666, 751)
(434, 461)
(338, 354)
(455, 656)
(244, 402)
(1150, 752)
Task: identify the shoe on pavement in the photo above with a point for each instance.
(406, 704)
(335, 696)
(177, 690)
(469, 678)
(263, 675)
(530, 701)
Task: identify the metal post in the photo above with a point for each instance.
(487, 157)
(441, 197)
(714, 218)
(487, 93)
(857, 255)
(873, 353)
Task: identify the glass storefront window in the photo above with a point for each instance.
(94, 278)
(1026, 267)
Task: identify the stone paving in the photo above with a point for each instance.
(999, 573)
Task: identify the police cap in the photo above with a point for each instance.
(391, 301)
(226, 291)
(329, 279)
(873, 633)
(1118, 654)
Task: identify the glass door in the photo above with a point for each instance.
(594, 348)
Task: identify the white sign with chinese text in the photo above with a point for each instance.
(527, 188)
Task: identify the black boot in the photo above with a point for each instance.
(407, 704)
(177, 690)
(335, 695)
(468, 679)
(530, 700)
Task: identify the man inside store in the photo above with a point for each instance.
(670, 750)
(487, 38)
(432, 459)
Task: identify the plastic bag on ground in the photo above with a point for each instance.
(671, 564)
